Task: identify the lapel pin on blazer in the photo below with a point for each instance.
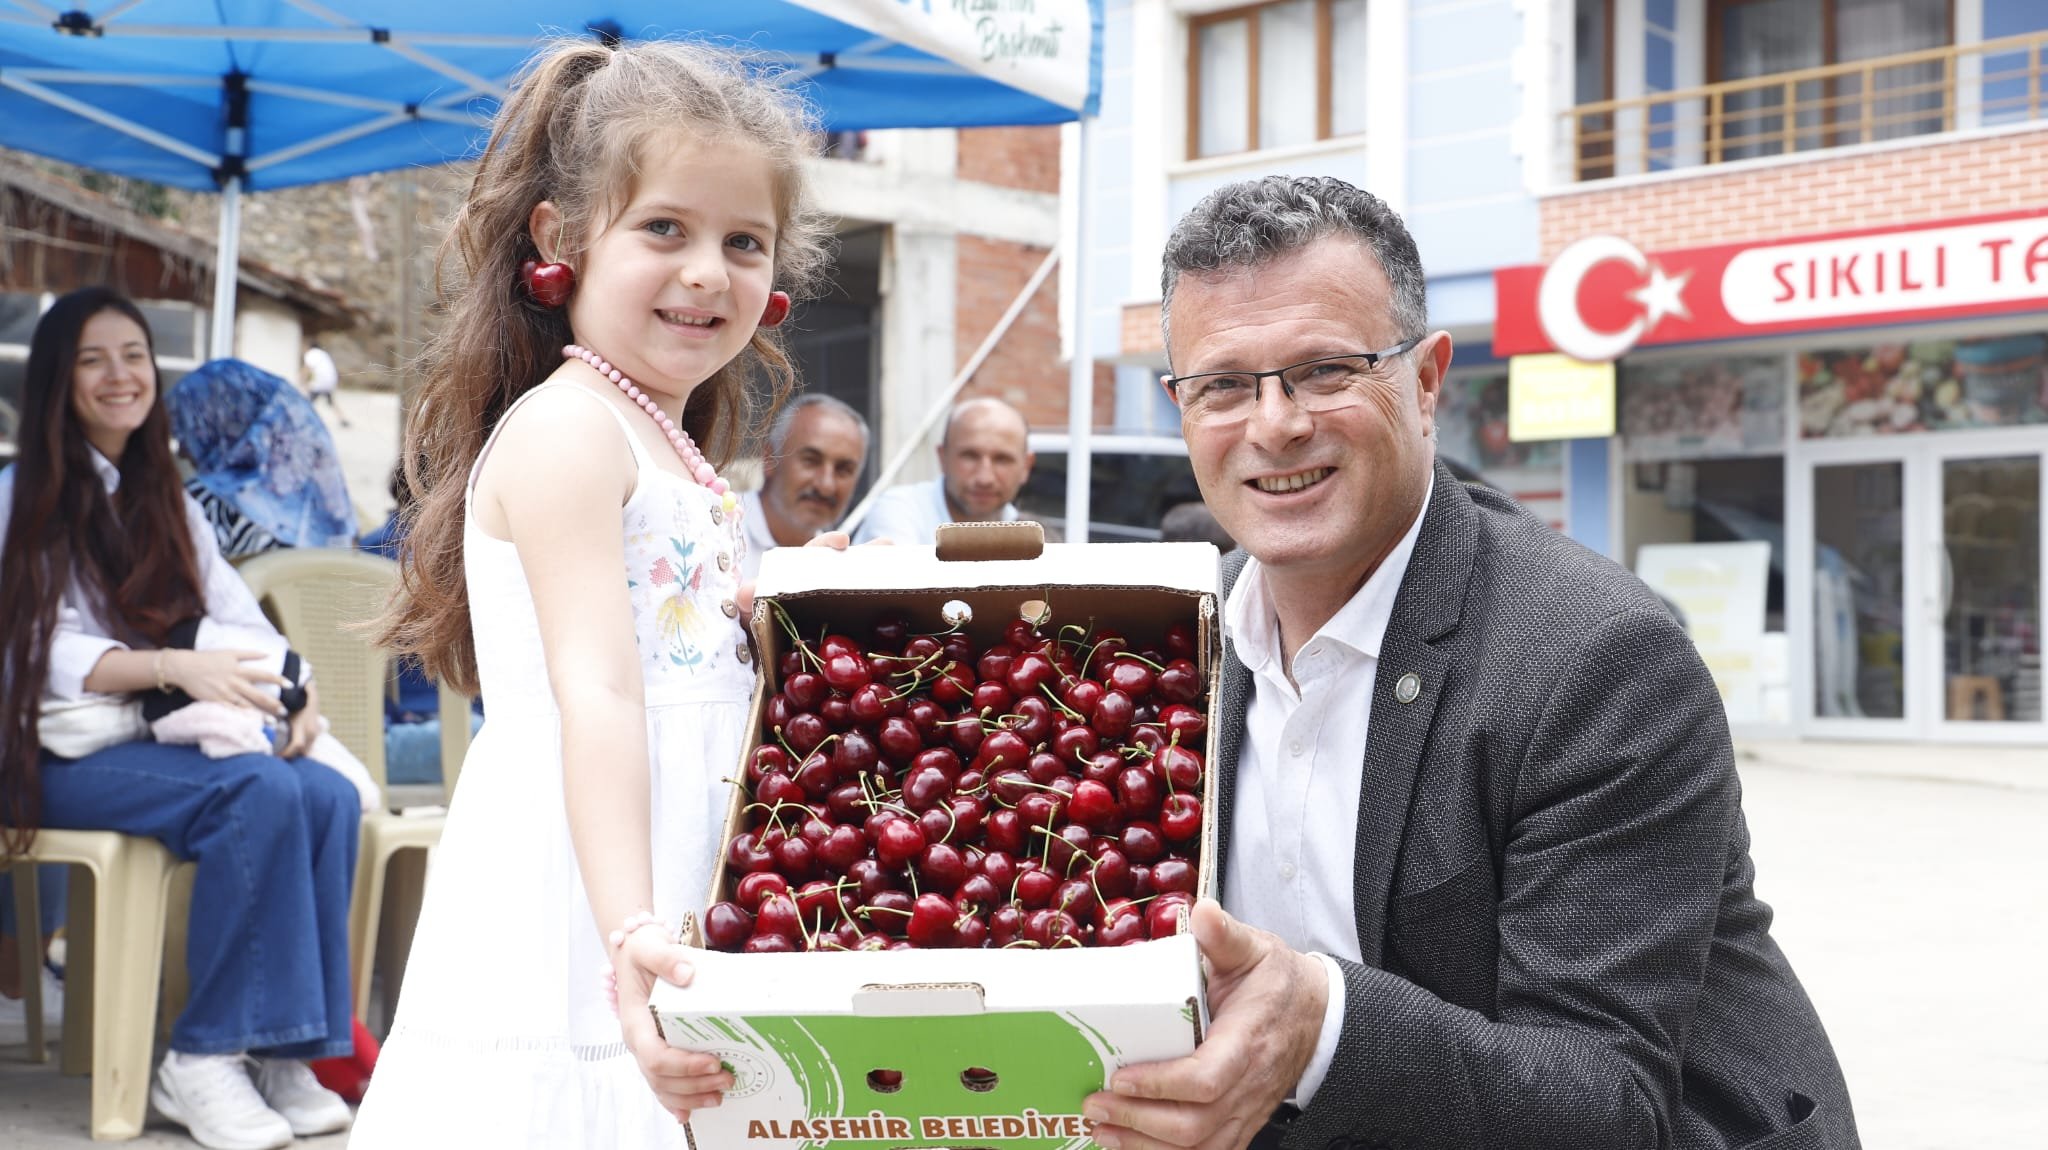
(1409, 686)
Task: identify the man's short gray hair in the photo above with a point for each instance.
(1245, 224)
(778, 432)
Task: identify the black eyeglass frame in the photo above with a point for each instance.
(1372, 359)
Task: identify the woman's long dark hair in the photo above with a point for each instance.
(131, 552)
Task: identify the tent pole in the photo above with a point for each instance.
(1081, 369)
(227, 266)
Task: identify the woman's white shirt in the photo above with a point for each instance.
(83, 637)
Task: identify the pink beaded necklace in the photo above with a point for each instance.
(694, 462)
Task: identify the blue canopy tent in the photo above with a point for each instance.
(241, 95)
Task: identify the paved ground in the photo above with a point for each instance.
(1911, 896)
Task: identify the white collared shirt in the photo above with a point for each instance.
(82, 638)
(1300, 769)
(760, 540)
(912, 514)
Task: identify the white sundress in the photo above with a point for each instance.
(503, 1038)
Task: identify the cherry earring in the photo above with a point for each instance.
(549, 284)
(777, 309)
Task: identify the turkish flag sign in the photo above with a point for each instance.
(1602, 296)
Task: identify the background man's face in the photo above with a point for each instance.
(1368, 464)
(813, 481)
(986, 459)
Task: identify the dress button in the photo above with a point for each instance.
(1296, 748)
(1287, 871)
(718, 517)
(730, 608)
(743, 653)
(724, 561)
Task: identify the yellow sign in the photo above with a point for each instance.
(1558, 397)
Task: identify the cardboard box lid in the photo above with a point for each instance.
(1164, 973)
(1191, 567)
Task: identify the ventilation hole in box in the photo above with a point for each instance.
(1036, 612)
(885, 1081)
(979, 1079)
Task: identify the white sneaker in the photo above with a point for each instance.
(211, 1096)
(290, 1088)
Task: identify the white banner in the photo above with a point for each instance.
(1038, 46)
(2004, 261)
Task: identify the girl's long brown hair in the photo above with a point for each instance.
(574, 131)
(130, 552)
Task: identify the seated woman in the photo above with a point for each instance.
(103, 556)
(265, 468)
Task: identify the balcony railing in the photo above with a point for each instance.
(1991, 82)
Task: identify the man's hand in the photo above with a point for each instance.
(683, 1080)
(1266, 1007)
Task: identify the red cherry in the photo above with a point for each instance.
(795, 857)
(1142, 842)
(931, 921)
(747, 854)
(1171, 874)
(1076, 744)
(1122, 923)
(1104, 767)
(1035, 888)
(1040, 808)
(900, 841)
(834, 645)
(1179, 682)
(805, 690)
(549, 284)
(990, 698)
(767, 759)
(778, 915)
(942, 868)
(1112, 873)
(926, 787)
(727, 926)
(994, 662)
(1005, 924)
(1180, 640)
(1129, 676)
(953, 686)
(768, 944)
(929, 718)
(1166, 917)
(1033, 719)
(890, 631)
(968, 812)
(978, 890)
(1138, 793)
(837, 711)
(1027, 672)
(1004, 831)
(1180, 817)
(1000, 867)
(1044, 767)
(1184, 721)
(872, 703)
(776, 790)
(970, 932)
(1076, 896)
(889, 912)
(854, 754)
(1108, 644)
(817, 904)
(1082, 695)
(842, 848)
(817, 776)
(754, 887)
(805, 730)
(1182, 767)
(898, 740)
(792, 661)
(1094, 805)
(1112, 714)
(872, 877)
(846, 671)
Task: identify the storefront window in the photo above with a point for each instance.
(1929, 385)
(1472, 433)
(1699, 408)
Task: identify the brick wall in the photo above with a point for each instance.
(1025, 369)
(1936, 181)
(1141, 334)
(1025, 158)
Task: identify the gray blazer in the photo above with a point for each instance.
(1562, 947)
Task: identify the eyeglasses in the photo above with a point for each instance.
(1316, 385)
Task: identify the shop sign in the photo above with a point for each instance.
(1721, 588)
(1558, 397)
(1602, 296)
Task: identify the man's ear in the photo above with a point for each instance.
(1432, 361)
(544, 224)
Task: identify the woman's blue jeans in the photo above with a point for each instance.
(275, 841)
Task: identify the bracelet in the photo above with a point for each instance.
(158, 664)
(634, 922)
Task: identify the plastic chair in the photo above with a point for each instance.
(319, 598)
(116, 935)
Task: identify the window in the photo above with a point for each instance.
(1752, 39)
(1275, 76)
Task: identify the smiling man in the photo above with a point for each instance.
(1481, 839)
(817, 447)
(984, 460)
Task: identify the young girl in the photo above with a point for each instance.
(577, 559)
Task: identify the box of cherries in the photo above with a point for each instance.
(963, 843)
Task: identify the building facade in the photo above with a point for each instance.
(1810, 235)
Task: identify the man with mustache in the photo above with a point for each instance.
(984, 459)
(816, 449)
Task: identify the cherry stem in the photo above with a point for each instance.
(1139, 658)
(1061, 704)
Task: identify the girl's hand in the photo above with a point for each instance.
(223, 677)
(683, 1080)
(305, 726)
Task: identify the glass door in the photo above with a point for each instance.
(1915, 579)
(1983, 625)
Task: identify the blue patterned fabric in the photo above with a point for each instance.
(258, 444)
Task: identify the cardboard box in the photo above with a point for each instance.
(995, 1048)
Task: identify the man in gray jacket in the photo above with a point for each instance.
(1482, 851)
